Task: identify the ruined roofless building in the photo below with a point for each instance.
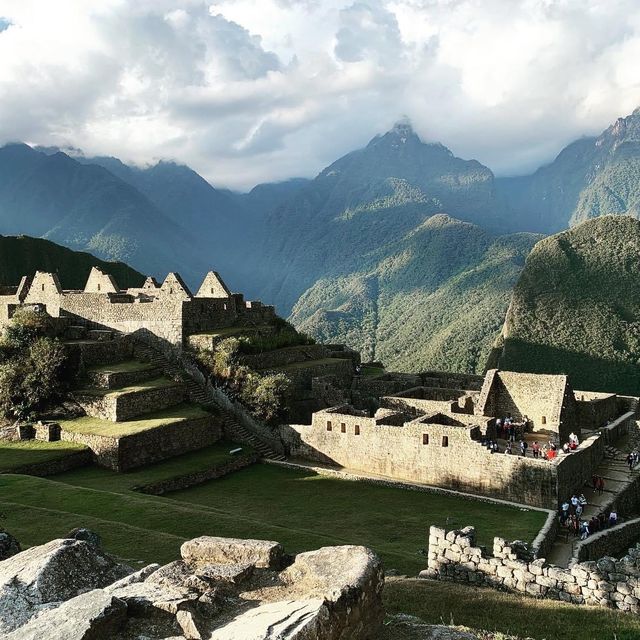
(166, 312)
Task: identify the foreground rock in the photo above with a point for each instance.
(221, 589)
(9, 546)
(42, 577)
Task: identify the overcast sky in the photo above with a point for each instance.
(247, 91)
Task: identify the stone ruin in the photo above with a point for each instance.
(168, 312)
(434, 434)
(221, 589)
(608, 582)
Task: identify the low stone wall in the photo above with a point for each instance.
(285, 356)
(90, 353)
(119, 407)
(302, 376)
(608, 582)
(192, 479)
(577, 467)
(153, 445)
(60, 465)
(610, 541)
(543, 542)
(119, 379)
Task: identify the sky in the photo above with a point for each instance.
(250, 91)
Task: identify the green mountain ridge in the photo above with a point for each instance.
(576, 307)
(23, 256)
(434, 299)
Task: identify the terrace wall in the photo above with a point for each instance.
(153, 445)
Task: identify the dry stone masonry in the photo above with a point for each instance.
(433, 434)
(607, 582)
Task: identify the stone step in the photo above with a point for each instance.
(100, 335)
(131, 402)
(119, 375)
(75, 332)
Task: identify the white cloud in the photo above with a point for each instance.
(254, 90)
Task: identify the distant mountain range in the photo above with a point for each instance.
(400, 248)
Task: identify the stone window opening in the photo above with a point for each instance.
(357, 430)
(43, 287)
(425, 438)
(544, 419)
(329, 425)
(98, 287)
(445, 441)
(343, 428)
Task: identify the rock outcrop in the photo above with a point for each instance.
(9, 545)
(221, 589)
(42, 577)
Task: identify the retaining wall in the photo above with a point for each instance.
(60, 465)
(192, 479)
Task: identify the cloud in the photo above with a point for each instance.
(246, 91)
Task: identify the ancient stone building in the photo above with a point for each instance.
(434, 435)
(168, 312)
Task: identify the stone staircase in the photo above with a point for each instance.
(617, 476)
(197, 394)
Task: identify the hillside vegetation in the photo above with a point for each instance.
(576, 307)
(434, 299)
(22, 255)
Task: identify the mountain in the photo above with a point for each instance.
(576, 307)
(22, 255)
(432, 299)
(590, 177)
(87, 207)
(373, 195)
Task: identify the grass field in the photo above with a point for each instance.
(97, 426)
(17, 454)
(300, 509)
(450, 603)
(148, 385)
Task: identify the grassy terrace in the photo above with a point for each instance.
(300, 509)
(17, 454)
(227, 332)
(97, 426)
(495, 611)
(122, 367)
(156, 383)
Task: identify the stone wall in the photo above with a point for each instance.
(576, 468)
(398, 452)
(302, 376)
(153, 445)
(546, 400)
(608, 582)
(285, 356)
(120, 407)
(198, 477)
(609, 542)
(59, 465)
(594, 410)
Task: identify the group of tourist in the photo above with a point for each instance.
(632, 459)
(508, 429)
(571, 518)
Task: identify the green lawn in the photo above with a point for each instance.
(496, 611)
(122, 367)
(16, 454)
(94, 477)
(300, 509)
(371, 372)
(97, 426)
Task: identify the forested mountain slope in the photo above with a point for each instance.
(433, 299)
(576, 307)
(23, 256)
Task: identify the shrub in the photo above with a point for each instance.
(33, 369)
(265, 394)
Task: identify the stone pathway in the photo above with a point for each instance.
(617, 475)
